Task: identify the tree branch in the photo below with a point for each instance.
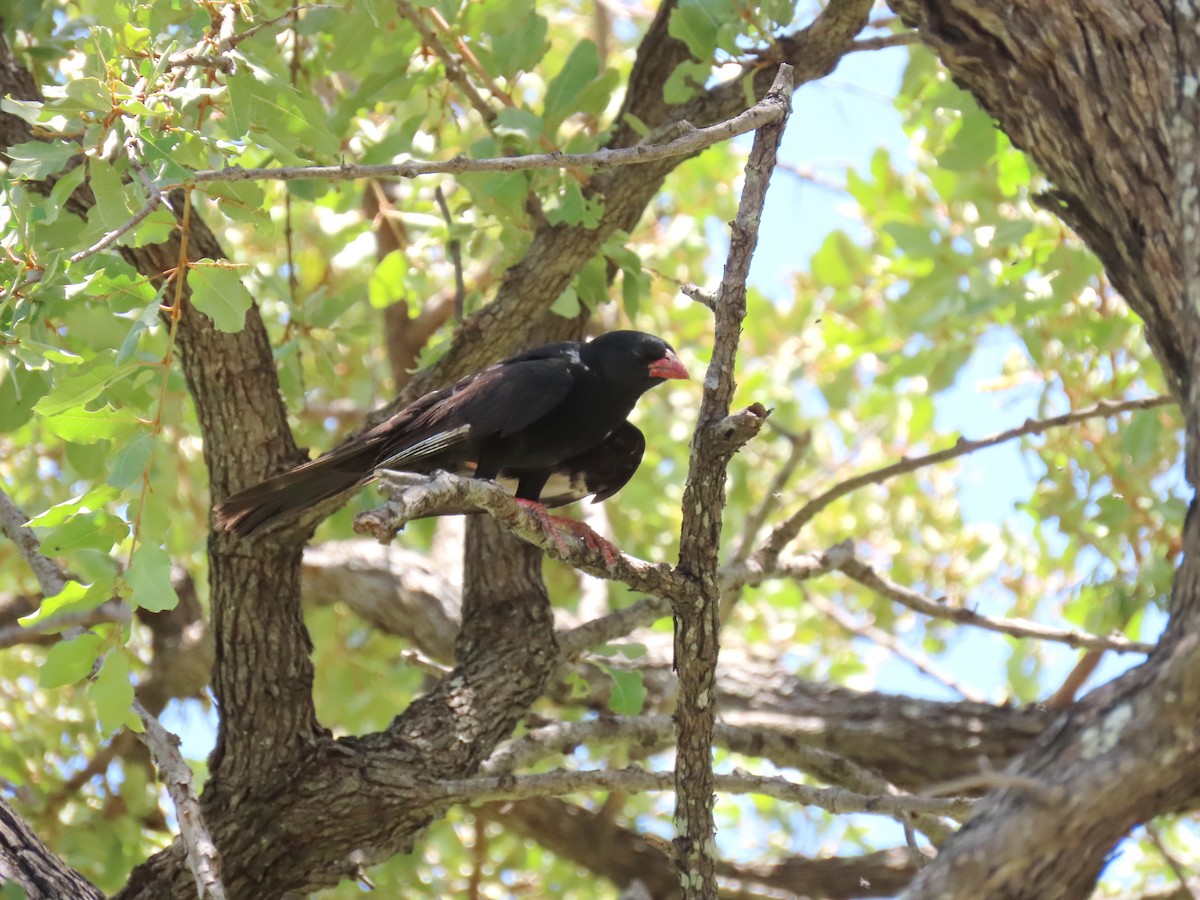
(174, 772)
(691, 141)
(635, 779)
(49, 576)
(697, 610)
(785, 533)
(28, 863)
(843, 558)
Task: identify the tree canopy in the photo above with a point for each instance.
(236, 231)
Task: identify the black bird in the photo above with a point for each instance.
(551, 420)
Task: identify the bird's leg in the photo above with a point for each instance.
(554, 526)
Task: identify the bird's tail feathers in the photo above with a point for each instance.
(259, 506)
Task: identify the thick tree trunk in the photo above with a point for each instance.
(1088, 89)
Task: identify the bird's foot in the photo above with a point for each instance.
(554, 526)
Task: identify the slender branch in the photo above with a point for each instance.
(699, 294)
(210, 55)
(202, 856)
(649, 610)
(893, 645)
(28, 868)
(49, 576)
(414, 496)
(110, 611)
(654, 732)
(614, 625)
(787, 532)
(798, 445)
(1173, 862)
(154, 199)
(714, 441)
(454, 70)
(882, 42)
(454, 249)
(634, 779)
(843, 558)
(690, 141)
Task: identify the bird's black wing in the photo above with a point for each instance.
(432, 432)
(603, 470)
(499, 400)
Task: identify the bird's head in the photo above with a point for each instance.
(633, 359)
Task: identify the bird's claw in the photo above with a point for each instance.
(554, 526)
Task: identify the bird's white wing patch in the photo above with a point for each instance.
(425, 447)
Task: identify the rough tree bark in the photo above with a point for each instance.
(276, 775)
(1088, 89)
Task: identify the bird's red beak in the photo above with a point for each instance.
(668, 367)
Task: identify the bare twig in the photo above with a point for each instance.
(655, 732)
(110, 611)
(989, 780)
(614, 625)
(900, 39)
(786, 532)
(210, 54)
(651, 609)
(699, 294)
(691, 140)
(49, 576)
(454, 70)
(697, 609)
(633, 779)
(843, 558)
(454, 249)
(1172, 861)
(203, 858)
(154, 199)
(414, 496)
(893, 645)
(798, 445)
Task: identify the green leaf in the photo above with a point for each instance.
(20, 389)
(83, 426)
(76, 390)
(694, 23)
(69, 661)
(581, 67)
(914, 240)
(73, 598)
(1141, 439)
(97, 530)
(90, 93)
(35, 160)
(567, 304)
(143, 323)
(519, 122)
(96, 498)
(518, 39)
(972, 146)
(72, 592)
(127, 464)
(591, 284)
(112, 691)
(29, 110)
(149, 579)
(836, 260)
(111, 210)
(239, 110)
(628, 691)
(685, 81)
(388, 280)
(218, 292)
